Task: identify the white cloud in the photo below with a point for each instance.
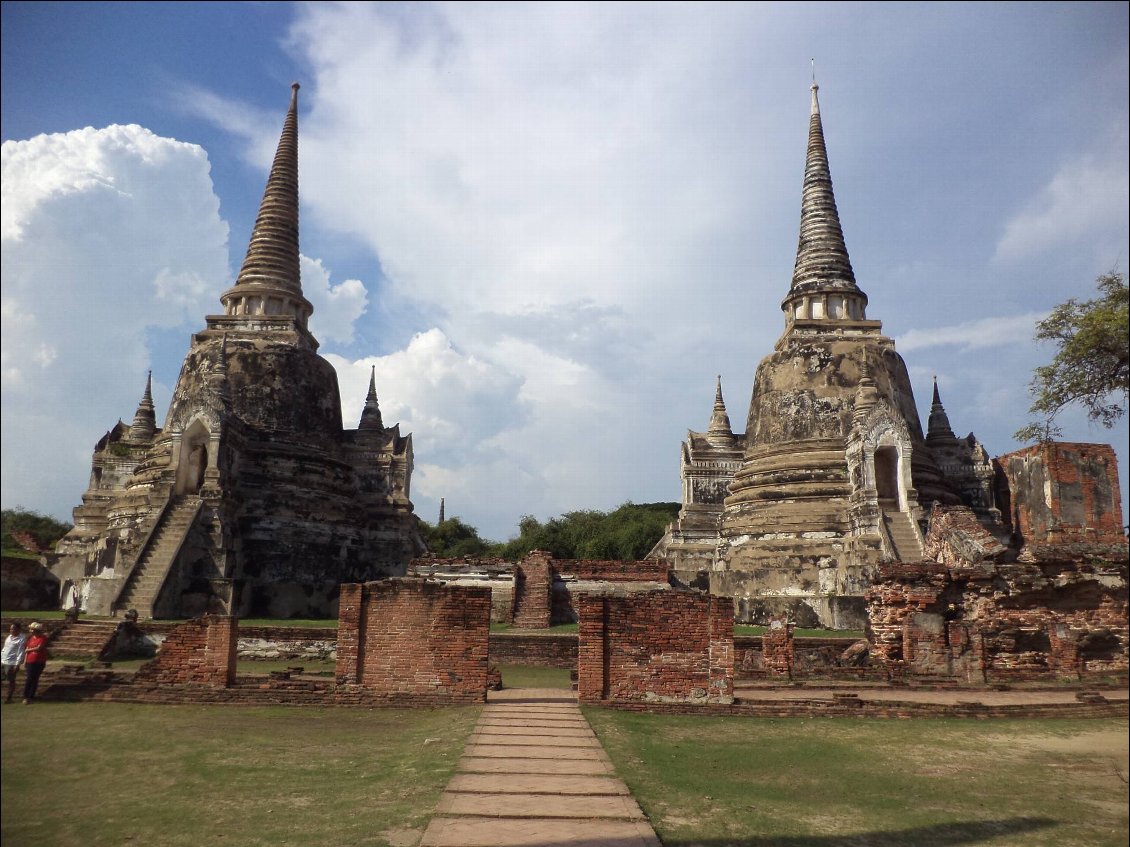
(106, 233)
(1083, 198)
(974, 335)
(336, 307)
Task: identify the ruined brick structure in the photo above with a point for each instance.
(834, 478)
(540, 591)
(1045, 599)
(413, 640)
(199, 652)
(660, 646)
(252, 498)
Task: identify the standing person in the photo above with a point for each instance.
(35, 660)
(13, 657)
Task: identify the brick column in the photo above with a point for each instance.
(1063, 658)
(592, 634)
(220, 647)
(347, 670)
(533, 592)
(778, 648)
(722, 648)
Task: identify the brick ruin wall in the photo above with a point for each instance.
(1004, 623)
(533, 592)
(541, 591)
(1060, 493)
(414, 641)
(660, 646)
(201, 651)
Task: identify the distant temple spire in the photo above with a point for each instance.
(938, 428)
(719, 419)
(441, 518)
(371, 414)
(269, 283)
(823, 285)
(145, 418)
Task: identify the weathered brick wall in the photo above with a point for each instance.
(777, 648)
(660, 646)
(533, 589)
(487, 571)
(551, 651)
(201, 651)
(643, 570)
(414, 640)
(1061, 493)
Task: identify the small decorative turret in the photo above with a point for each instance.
(938, 428)
(371, 414)
(144, 425)
(823, 286)
(719, 419)
(866, 394)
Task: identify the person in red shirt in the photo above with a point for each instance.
(35, 660)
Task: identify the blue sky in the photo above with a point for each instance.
(547, 226)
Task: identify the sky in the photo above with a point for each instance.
(548, 226)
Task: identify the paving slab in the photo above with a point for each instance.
(539, 806)
(534, 774)
(536, 783)
(540, 751)
(534, 766)
(486, 832)
(539, 740)
(573, 731)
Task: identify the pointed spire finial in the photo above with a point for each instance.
(719, 419)
(441, 504)
(815, 88)
(371, 414)
(823, 285)
(269, 281)
(144, 425)
(938, 427)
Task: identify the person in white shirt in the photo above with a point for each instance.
(13, 657)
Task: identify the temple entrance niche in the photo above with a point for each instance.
(193, 459)
(887, 476)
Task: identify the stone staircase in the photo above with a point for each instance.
(85, 639)
(904, 538)
(147, 577)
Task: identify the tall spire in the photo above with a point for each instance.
(823, 284)
(719, 419)
(371, 414)
(145, 418)
(269, 283)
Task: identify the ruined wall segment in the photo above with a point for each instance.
(411, 640)
(201, 652)
(1062, 493)
(662, 646)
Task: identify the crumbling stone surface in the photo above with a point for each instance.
(661, 646)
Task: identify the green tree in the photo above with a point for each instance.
(43, 529)
(626, 534)
(452, 537)
(1090, 367)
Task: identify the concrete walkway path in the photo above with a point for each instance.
(534, 775)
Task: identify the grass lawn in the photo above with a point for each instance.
(115, 774)
(826, 782)
(533, 676)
